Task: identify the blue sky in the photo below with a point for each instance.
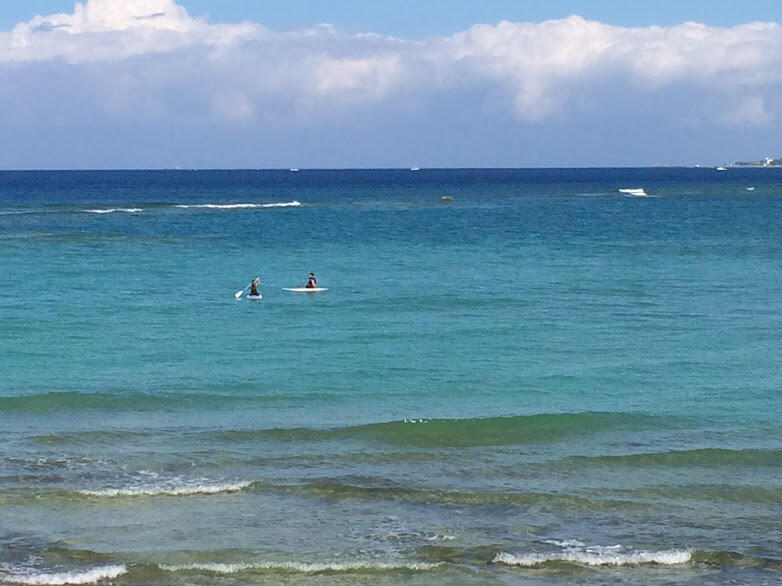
(421, 18)
(199, 83)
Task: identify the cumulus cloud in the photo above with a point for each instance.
(538, 61)
(101, 30)
(149, 60)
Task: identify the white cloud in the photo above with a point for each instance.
(370, 75)
(537, 61)
(104, 30)
(147, 51)
(113, 15)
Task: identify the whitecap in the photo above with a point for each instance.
(186, 490)
(64, 578)
(565, 542)
(284, 204)
(299, 567)
(112, 210)
(234, 206)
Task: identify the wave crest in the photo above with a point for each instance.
(300, 567)
(479, 431)
(710, 457)
(378, 489)
(188, 490)
(65, 578)
(576, 552)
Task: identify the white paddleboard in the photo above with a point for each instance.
(305, 289)
(255, 297)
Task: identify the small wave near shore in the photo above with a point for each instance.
(576, 552)
(37, 577)
(184, 490)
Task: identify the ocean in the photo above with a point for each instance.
(543, 380)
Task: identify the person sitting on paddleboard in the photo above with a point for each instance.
(254, 288)
(311, 282)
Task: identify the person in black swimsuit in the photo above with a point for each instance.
(254, 288)
(311, 282)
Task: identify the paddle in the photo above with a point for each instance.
(238, 294)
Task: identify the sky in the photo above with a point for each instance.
(351, 83)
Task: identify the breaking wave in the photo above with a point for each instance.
(186, 490)
(300, 567)
(63, 578)
(575, 552)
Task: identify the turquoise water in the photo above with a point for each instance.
(542, 381)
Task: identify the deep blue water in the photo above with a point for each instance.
(541, 380)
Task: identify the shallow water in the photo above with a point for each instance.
(540, 381)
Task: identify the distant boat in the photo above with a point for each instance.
(415, 168)
(750, 189)
(634, 192)
(721, 169)
(293, 170)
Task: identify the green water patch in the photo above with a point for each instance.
(90, 436)
(56, 555)
(114, 400)
(481, 431)
(477, 555)
(379, 489)
(707, 457)
(711, 492)
(736, 559)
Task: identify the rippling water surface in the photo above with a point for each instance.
(543, 380)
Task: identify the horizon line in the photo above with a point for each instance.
(412, 169)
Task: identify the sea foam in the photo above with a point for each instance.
(612, 555)
(299, 567)
(91, 576)
(187, 490)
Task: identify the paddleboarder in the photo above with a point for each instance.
(254, 287)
